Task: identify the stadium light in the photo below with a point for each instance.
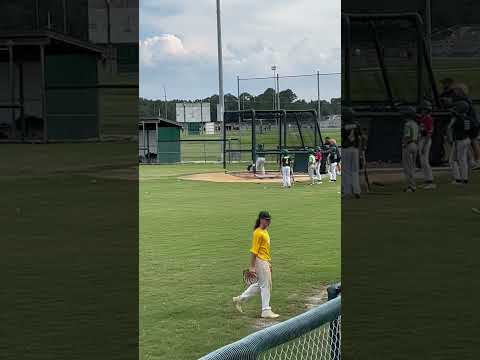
(274, 69)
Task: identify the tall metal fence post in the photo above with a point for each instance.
(204, 152)
(334, 332)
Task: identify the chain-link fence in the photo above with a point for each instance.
(315, 334)
(321, 343)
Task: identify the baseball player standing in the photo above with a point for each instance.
(410, 147)
(460, 128)
(311, 167)
(425, 122)
(260, 163)
(318, 163)
(334, 157)
(351, 143)
(260, 264)
(286, 162)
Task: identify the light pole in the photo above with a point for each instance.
(221, 99)
(428, 26)
(274, 68)
(166, 105)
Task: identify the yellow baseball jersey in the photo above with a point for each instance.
(261, 244)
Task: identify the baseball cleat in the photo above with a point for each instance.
(269, 314)
(238, 303)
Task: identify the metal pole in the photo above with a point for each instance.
(274, 68)
(37, 16)
(238, 93)
(224, 150)
(420, 54)
(144, 140)
(428, 25)
(11, 78)
(44, 94)
(319, 106)
(278, 92)
(107, 3)
(22, 100)
(156, 137)
(166, 104)
(254, 140)
(220, 76)
(64, 3)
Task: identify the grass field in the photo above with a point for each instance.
(67, 246)
(194, 241)
(410, 263)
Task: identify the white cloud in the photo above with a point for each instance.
(300, 36)
(156, 49)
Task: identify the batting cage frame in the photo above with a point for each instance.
(382, 120)
(304, 123)
(315, 334)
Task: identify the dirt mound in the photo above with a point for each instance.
(240, 178)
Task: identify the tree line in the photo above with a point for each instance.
(264, 101)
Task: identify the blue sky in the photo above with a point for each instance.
(178, 46)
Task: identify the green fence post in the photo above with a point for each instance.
(333, 291)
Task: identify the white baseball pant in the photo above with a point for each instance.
(462, 147)
(318, 165)
(409, 157)
(333, 171)
(424, 146)
(286, 176)
(260, 165)
(350, 171)
(311, 173)
(452, 160)
(262, 286)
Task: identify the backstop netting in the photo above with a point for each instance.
(315, 334)
(266, 133)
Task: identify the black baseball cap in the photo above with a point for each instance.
(264, 215)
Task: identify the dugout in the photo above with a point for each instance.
(52, 89)
(267, 132)
(159, 141)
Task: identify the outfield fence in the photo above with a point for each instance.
(315, 334)
(208, 149)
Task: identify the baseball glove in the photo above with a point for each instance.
(249, 277)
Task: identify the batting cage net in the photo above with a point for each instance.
(315, 334)
(387, 59)
(262, 135)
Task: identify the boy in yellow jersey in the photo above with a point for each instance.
(260, 264)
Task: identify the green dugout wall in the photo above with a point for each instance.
(159, 141)
(71, 96)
